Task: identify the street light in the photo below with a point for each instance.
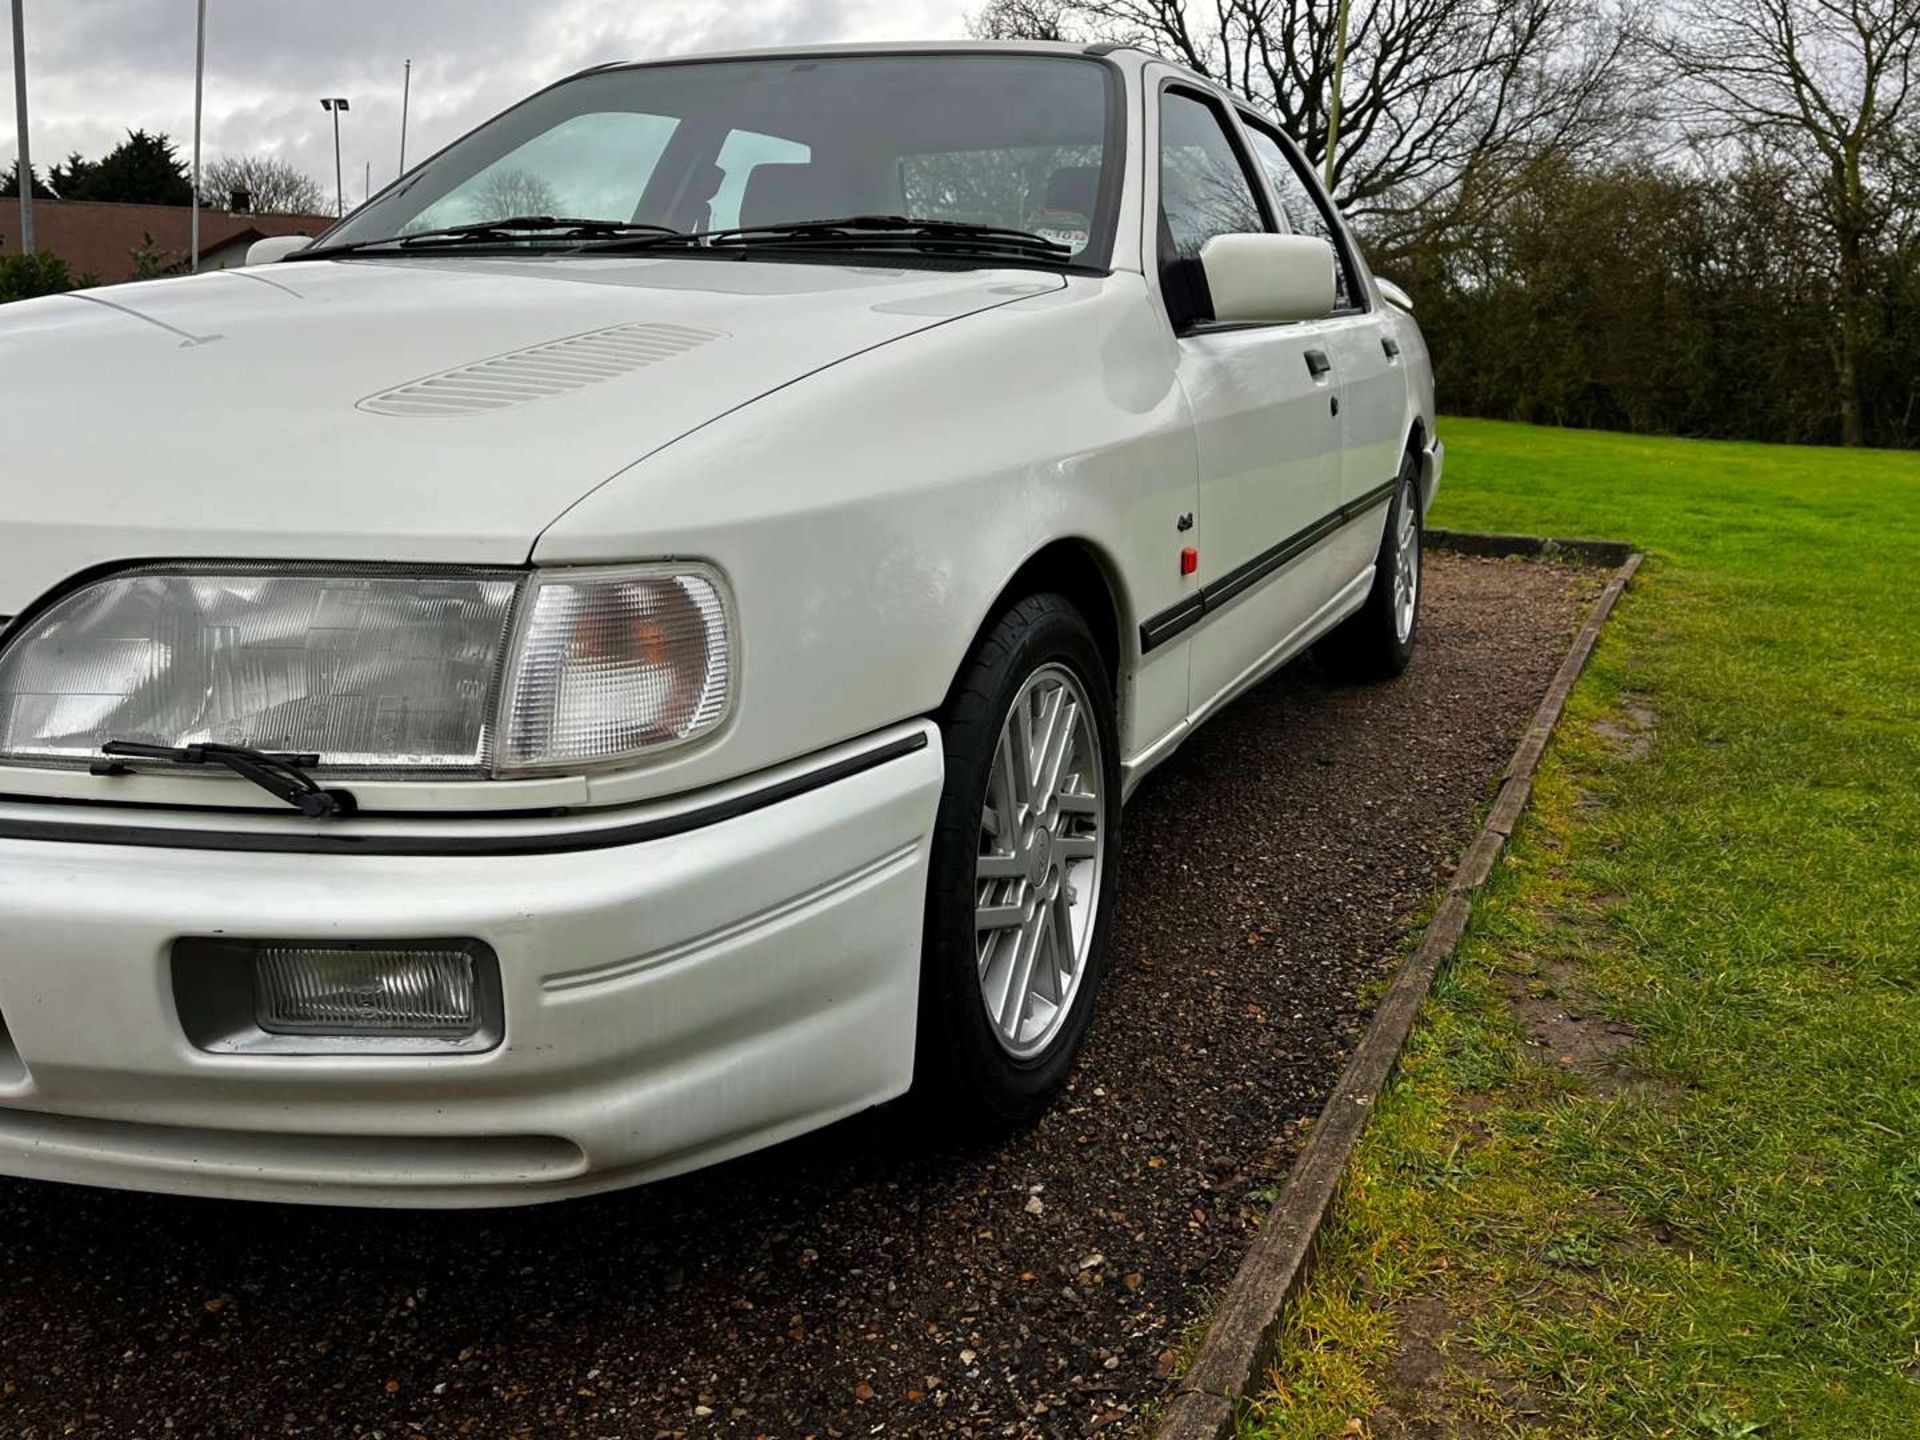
(336, 105)
(199, 82)
(20, 109)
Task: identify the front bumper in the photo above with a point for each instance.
(667, 1004)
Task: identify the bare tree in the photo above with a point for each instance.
(1442, 98)
(504, 193)
(274, 187)
(1827, 86)
(1021, 20)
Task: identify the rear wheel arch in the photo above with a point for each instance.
(1417, 442)
(1417, 447)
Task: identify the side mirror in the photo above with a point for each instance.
(276, 247)
(1269, 278)
(1393, 294)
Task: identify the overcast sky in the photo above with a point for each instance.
(97, 68)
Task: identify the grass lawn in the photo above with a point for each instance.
(1652, 1164)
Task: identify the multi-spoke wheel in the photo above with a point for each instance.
(1376, 641)
(1021, 889)
(1042, 849)
(1406, 570)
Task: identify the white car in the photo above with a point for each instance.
(633, 645)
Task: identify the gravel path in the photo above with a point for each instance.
(871, 1279)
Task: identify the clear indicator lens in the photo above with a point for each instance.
(318, 991)
(612, 665)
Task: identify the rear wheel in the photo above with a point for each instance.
(1020, 898)
(1377, 640)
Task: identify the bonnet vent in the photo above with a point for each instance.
(557, 368)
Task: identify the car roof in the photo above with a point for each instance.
(1130, 57)
(1119, 52)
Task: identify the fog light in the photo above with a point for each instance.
(309, 997)
(301, 991)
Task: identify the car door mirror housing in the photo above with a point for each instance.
(276, 247)
(1259, 278)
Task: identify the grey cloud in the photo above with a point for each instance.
(100, 67)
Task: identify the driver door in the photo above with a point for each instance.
(1265, 400)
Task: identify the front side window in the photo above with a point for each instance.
(1024, 142)
(1204, 189)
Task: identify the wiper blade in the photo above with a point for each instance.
(536, 224)
(862, 226)
(901, 232)
(488, 231)
(282, 776)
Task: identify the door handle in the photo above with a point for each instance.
(1391, 346)
(1317, 363)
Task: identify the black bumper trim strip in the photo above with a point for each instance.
(609, 837)
(1156, 630)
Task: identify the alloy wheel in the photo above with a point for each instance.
(1041, 861)
(1406, 569)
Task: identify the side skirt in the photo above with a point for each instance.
(1351, 597)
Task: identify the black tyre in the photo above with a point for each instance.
(1377, 640)
(1020, 898)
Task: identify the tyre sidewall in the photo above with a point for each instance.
(959, 1054)
(1406, 493)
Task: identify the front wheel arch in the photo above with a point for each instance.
(962, 1070)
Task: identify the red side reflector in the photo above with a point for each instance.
(1189, 560)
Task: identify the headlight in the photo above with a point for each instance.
(373, 671)
(611, 663)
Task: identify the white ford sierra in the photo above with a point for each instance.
(632, 646)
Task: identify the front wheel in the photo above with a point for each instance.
(1020, 898)
(1376, 641)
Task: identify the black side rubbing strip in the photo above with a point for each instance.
(1169, 623)
(1158, 629)
(637, 833)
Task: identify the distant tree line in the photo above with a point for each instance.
(146, 169)
(1701, 217)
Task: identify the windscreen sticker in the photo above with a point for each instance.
(1064, 227)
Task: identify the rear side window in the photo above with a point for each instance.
(1303, 205)
(1204, 188)
(744, 152)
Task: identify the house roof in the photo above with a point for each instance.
(101, 239)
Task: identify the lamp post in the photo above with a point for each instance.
(336, 105)
(199, 77)
(20, 113)
(406, 94)
(1333, 110)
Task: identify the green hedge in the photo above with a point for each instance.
(24, 276)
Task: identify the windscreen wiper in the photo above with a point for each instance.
(867, 232)
(282, 776)
(512, 227)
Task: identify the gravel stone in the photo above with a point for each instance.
(881, 1274)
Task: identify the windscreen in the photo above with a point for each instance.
(1021, 141)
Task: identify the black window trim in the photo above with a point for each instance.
(1348, 252)
(1234, 114)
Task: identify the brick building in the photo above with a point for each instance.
(102, 239)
